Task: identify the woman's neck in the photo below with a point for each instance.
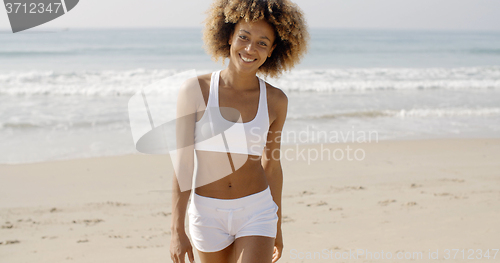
(231, 78)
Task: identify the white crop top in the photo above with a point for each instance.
(214, 133)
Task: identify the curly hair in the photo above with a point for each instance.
(284, 16)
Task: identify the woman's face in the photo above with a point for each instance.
(251, 44)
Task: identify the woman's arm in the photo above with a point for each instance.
(183, 156)
(179, 206)
(183, 162)
(271, 161)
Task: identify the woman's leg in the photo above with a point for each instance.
(254, 249)
(223, 256)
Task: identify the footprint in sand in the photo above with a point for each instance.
(52, 237)
(116, 203)
(451, 195)
(109, 203)
(346, 188)
(115, 236)
(286, 219)
(162, 214)
(320, 203)
(386, 202)
(149, 237)
(88, 222)
(10, 242)
(456, 180)
(306, 193)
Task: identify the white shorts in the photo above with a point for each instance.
(215, 223)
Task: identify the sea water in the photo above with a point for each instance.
(64, 94)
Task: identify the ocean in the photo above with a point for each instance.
(64, 94)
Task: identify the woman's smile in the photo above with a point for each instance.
(247, 59)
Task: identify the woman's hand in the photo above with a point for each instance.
(278, 247)
(179, 246)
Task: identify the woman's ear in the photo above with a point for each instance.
(271, 51)
(230, 37)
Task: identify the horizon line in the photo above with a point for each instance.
(57, 29)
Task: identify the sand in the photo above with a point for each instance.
(404, 198)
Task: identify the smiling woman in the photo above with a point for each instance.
(284, 17)
(235, 210)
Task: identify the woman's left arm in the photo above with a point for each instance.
(271, 159)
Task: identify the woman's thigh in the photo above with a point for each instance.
(254, 249)
(224, 256)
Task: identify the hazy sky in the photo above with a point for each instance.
(373, 14)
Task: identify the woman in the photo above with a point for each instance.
(235, 211)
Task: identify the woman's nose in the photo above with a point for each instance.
(250, 48)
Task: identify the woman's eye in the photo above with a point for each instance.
(243, 37)
(264, 44)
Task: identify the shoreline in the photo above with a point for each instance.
(284, 147)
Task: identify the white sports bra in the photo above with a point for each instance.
(214, 133)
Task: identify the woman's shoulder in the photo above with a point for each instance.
(205, 78)
(195, 83)
(276, 95)
(204, 82)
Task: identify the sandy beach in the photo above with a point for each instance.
(406, 197)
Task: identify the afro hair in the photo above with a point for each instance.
(284, 16)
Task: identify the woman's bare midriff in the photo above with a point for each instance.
(249, 179)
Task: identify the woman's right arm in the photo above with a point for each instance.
(187, 104)
(179, 242)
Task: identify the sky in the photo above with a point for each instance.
(470, 15)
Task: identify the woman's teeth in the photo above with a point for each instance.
(247, 59)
